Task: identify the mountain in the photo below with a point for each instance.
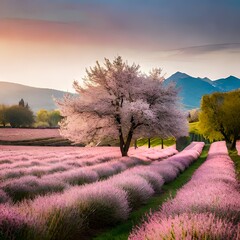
(227, 84)
(192, 89)
(37, 98)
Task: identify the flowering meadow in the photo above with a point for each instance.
(17, 134)
(207, 207)
(62, 193)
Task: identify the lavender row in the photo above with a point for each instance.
(79, 156)
(67, 215)
(207, 207)
(31, 186)
(84, 157)
(39, 168)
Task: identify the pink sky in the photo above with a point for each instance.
(51, 44)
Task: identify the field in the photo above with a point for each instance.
(61, 193)
(32, 137)
(92, 192)
(18, 134)
(52, 137)
(207, 207)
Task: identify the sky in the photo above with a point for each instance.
(51, 43)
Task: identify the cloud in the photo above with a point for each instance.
(198, 50)
(155, 25)
(65, 36)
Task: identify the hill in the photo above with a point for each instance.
(192, 89)
(37, 98)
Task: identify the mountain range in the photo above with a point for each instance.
(191, 90)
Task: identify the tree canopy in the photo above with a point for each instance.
(3, 119)
(220, 116)
(19, 116)
(46, 118)
(117, 101)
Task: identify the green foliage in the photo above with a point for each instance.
(47, 118)
(194, 133)
(210, 124)
(193, 127)
(19, 116)
(236, 159)
(220, 116)
(54, 118)
(39, 124)
(3, 119)
(42, 116)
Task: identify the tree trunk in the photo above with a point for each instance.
(233, 145)
(225, 136)
(162, 142)
(135, 144)
(124, 147)
(149, 142)
(121, 140)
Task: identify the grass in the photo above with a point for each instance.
(236, 159)
(155, 142)
(122, 230)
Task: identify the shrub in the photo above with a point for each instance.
(13, 225)
(186, 226)
(137, 188)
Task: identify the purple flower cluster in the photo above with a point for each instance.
(207, 207)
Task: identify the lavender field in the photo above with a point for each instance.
(207, 207)
(17, 134)
(119, 120)
(62, 193)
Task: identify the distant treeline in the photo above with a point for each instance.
(21, 115)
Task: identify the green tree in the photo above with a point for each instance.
(54, 117)
(19, 116)
(21, 103)
(3, 119)
(42, 115)
(48, 118)
(220, 117)
(231, 118)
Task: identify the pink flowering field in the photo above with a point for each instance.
(17, 134)
(207, 207)
(62, 193)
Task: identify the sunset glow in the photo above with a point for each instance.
(50, 43)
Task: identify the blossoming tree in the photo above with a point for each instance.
(117, 101)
